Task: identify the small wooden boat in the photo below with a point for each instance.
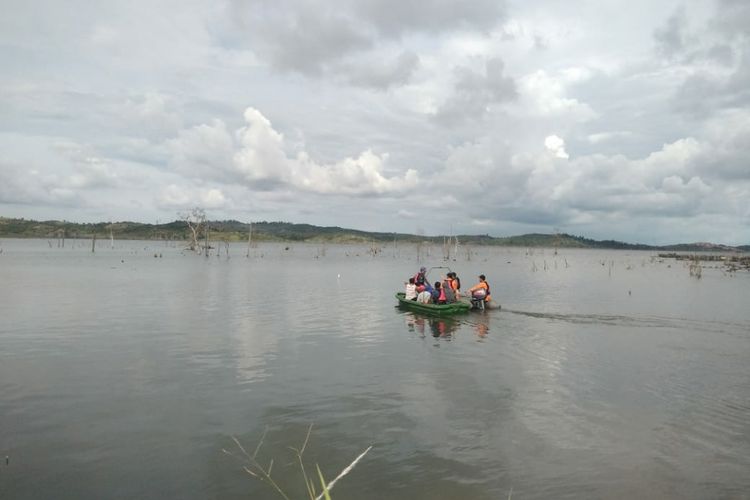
(459, 307)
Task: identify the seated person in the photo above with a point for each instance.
(411, 290)
(424, 297)
(438, 294)
(480, 291)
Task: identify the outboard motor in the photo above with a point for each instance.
(477, 299)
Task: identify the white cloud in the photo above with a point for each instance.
(600, 137)
(545, 95)
(600, 119)
(257, 159)
(556, 145)
(204, 151)
(174, 197)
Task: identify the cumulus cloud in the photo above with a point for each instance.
(397, 17)
(153, 113)
(300, 36)
(723, 154)
(22, 185)
(713, 58)
(255, 155)
(546, 188)
(545, 95)
(556, 145)
(89, 170)
(601, 137)
(341, 37)
(174, 197)
(475, 91)
(204, 151)
(636, 116)
(671, 38)
(382, 74)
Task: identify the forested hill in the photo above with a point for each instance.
(232, 230)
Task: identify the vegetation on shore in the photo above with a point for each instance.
(232, 230)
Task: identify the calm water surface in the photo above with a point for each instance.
(606, 374)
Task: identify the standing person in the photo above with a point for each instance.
(420, 279)
(411, 290)
(480, 291)
(448, 290)
(456, 284)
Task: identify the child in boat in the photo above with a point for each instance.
(411, 290)
(438, 294)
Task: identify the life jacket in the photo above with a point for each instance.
(483, 287)
(419, 278)
(441, 297)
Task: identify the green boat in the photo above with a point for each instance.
(459, 307)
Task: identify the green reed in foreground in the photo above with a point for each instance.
(252, 466)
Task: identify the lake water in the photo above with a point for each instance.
(125, 374)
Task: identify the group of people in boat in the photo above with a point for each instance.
(445, 291)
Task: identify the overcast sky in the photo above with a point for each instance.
(608, 119)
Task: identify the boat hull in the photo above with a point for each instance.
(460, 307)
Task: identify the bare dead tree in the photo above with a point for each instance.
(197, 223)
(250, 242)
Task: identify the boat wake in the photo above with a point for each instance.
(637, 321)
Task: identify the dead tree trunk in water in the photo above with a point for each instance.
(206, 246)
(197, 223)
(249, 240)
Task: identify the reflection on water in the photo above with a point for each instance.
(439, 328)
(445, 328)
(124, 375)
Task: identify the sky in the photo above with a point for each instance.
(601, 118)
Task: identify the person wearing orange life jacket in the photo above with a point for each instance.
(448, 289)
(455, 284)
(480, 291)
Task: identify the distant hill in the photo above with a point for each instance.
(232, 230)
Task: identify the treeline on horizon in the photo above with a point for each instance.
(232, 230)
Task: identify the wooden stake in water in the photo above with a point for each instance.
(206, 239)
(249, 239)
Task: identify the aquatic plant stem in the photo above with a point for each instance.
(343, 473)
